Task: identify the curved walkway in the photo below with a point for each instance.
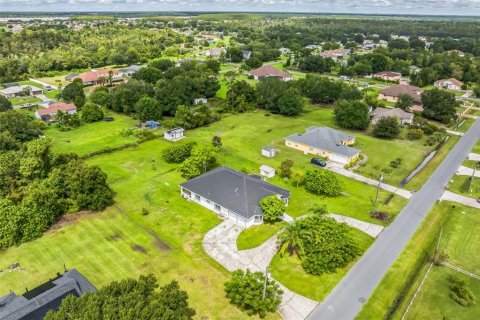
(221, 244)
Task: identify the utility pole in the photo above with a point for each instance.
(378, 189)
(265, 284)
(471, 178)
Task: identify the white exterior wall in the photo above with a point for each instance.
(223, 212)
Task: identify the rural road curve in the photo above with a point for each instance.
(348, 297)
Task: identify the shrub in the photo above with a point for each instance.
(396, 163)
(178, 152)
(415, 134)
(380, 216)
(286, 168)
(91, 113)
(272, 207)
(323, 183)
(460, 293)
(245, 290)
(387, 128)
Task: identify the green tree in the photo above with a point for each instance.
(290, 102)
(5, 104)
(269, 92)
(245, 290)
(99, 97)
(217, 142)
(323, 183)
(201, 160)
(439, 105)
(298, 178)
(388, 127)
(272, 208)
(293, 239)
(73, 92)
(91, 113)
(128, 299)
(404, 102)
(286, 168)
(241, 97)
(178, 153)
(352, 114)
(17, 127)
(148, 109)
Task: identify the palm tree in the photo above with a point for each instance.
(102, 80)
(110, 76)
(292, 239)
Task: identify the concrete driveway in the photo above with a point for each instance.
(221, 244)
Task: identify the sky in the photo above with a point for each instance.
(419, 7)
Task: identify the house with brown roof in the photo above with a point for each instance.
(92, 77)
(336, 54)
(388, 76)
(48, 114)
(270, 71)
(402, 116)
(392, 93)
(452, 84)
(215, 52)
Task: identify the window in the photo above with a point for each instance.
(217, 208)
(197, 197)
(185, 191)
(208, 201)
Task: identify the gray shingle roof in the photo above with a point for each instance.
(325, 138)
(234, 190)
(35, 303)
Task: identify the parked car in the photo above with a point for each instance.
(318, 162)
(47, 87)
(108, 119)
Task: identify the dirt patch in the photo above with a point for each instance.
(68, 219)
(139, 248)
(116, 236)
(159, 243)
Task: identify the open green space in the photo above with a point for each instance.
(52, 94)
(22, 100)
(256, 235)
(92, 136)
(288, 271)
(459, 240)
(31, 83)
(461, 185)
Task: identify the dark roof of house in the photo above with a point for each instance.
(395, 112)
(35, 303)
(269, 71)
(400, 89)
(234, 190)
(325, 138)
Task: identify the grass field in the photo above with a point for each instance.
(459, 239)
(256, 235)
(92, 136)
(461, 185)
(289, 272)
(22, 100)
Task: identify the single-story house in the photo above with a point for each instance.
(215, 52)
(130, 70)
(388, 75)
(174, 134)
(392, 93)
(35, 303)
(285, 51)
(200, 101)
(266, 171)
(270, 71)
(232, 194)
(47, 114)
(20, 91)
(91, 77)
(336, 54)
(459, 53)
(313, 46)
(416, 108)
(269, 152)
(402, 116)
(452, 84)
(325, 142)
(71, 77)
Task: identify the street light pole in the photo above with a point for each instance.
(378, 189)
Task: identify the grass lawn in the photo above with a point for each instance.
(288, 271)
(31, 83)
(465, 125)
(52, 94)
(461, 185)
(92, 136)
(419, 179)
(22, 100)
(256, 235)
(459, 239)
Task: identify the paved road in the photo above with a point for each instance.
(346, 300)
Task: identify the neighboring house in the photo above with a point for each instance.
(34, 304)
(452, 84)
(388, 76)
(200, 101)
(270, 71)
(71, 77)
(402, 116)
(130, 70)
(174, 134)
(215, 52)
(285, 51)
(232, 194)
(269, 152)
(48, 114)
(458, 53)
(415, 69)
(313, 46)
(187, 60)
(391, 94)
(336, 54)
(14, 91)
(325, 142)
(246, 55)
(91, 77)
(368, 45)
(267, 172)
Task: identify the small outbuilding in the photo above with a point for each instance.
(267, 172)
(269, 152)
(174, 134)
(200, 101)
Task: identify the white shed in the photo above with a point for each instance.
(267, 172)
(269, 152)
(174, 134)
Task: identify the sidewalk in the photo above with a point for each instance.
(369, 228)
(474, 157)
(344, 172)
(450, 196)
(43, 83)
(465, 171)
